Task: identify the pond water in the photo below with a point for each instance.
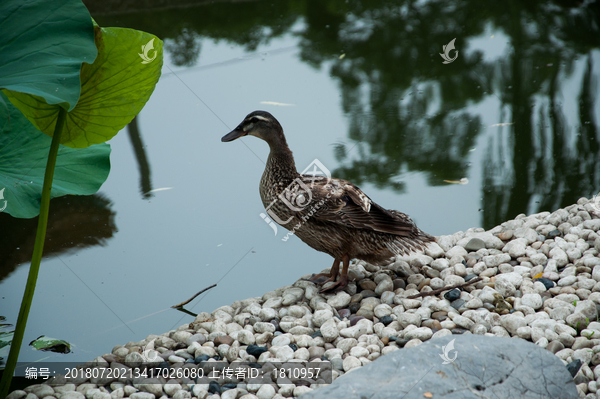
(360, 86)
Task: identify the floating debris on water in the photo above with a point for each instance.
(464, 180)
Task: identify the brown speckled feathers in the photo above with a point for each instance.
(348, 205)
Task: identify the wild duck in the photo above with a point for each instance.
(330, 215)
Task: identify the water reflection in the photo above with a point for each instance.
(135, 137)
(75, 222)
(408, 111)
(554, 154)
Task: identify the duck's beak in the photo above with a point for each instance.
(234, 134)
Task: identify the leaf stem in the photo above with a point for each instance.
(36, 258)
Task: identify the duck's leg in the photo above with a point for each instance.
(343, 281)
(315, 278)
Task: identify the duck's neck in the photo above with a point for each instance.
(280, 163)
(280, 171)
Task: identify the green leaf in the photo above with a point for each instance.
(43, 45)
(5, 336)
(43, 343)
(23, 156)
(114, 90)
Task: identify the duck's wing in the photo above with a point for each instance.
(339, 201)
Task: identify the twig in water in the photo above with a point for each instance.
(435, 292)
(192, 298)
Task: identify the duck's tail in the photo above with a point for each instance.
(417, 241)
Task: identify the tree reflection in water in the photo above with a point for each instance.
(407, 111)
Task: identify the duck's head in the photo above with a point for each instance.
(260, 124)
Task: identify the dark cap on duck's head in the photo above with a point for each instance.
(260, 124)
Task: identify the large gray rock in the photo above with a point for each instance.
(484, 367)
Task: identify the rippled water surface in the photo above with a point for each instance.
(360, 86)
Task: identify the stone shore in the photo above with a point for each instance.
(535, 278)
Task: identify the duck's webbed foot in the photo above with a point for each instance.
(323, 278)
(320, 278)
(342, 282)
(337, 286)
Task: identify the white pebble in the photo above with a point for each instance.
(351, 362)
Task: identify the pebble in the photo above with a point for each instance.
(351, 362)
(355, 320)
(474, 303)
(574, 366)
(506, 235)
(453, 280)
(440, 315)
(176, 359)
(407, 319)
(214, 387)
(457, 304)
(555, 346)
(513, 278)
(384, 285)
(475, 244)
(256, 350)
(452, 295)
(399, 283)
(547, 283)
(321, 316)
(532, 300)
(496, 260)
(354, 307)
(422, 333)
(411, 344)
(283, 340)
(462, 321)
(301, 390)
(316, 352)
(199, 338)
(553, 234)
(141, 395)
(329, 330)
(77, 395)
(367, 284)
(266, 391)
(223, 339)
(340, 300)
(567, 281)
(512, 322)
